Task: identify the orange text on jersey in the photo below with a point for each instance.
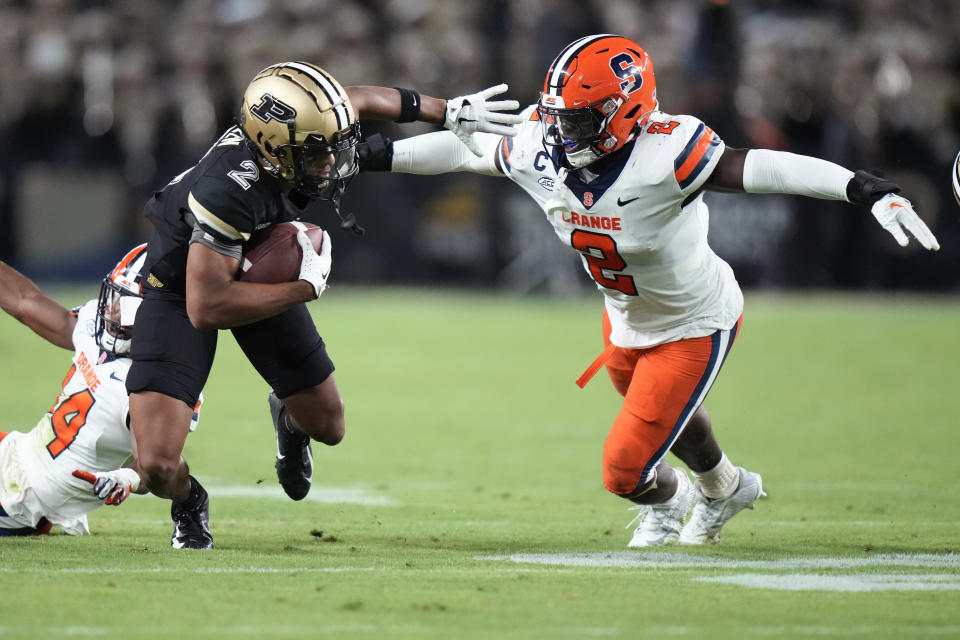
(86, 370)
(593, 222)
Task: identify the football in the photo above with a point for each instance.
(273, 254)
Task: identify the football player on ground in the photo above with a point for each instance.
(622, 183)
(296, 141)
(87, 428)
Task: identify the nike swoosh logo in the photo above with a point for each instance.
(626, 202)
(894, 204)
(113, 374)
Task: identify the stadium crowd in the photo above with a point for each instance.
(138, 89)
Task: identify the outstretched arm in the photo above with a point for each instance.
(431, 154)
(464, 115)
(442, 152)
(383, 103)
(766, 171)
(23, 299)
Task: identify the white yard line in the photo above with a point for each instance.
(858, 582)
(326, 495)
(198, 570)
(259, 631)
(788, 574)
(661, 559)
(793, 581)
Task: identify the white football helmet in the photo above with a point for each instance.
(302, 127)
(120, 297)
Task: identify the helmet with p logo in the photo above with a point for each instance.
(303, 127)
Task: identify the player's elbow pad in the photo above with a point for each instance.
(767, 171)
(442, 152)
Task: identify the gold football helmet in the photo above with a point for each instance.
(303, 127)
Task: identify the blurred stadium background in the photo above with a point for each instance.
(101, 102)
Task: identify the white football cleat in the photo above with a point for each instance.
(660, 523)
(710, 515)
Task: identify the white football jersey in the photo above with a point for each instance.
(640, 227)
(86, 428)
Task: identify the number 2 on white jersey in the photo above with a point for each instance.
(600, 252)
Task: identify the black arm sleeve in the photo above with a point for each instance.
(375, 153)
(866, 188)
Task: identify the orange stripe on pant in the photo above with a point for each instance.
(662, 387)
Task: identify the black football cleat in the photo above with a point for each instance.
(294, 458)
(191, 520)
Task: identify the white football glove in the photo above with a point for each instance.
(467, 115)
(894, 212)
(315, 267)
(112, 487)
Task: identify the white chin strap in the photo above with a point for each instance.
(109, 342)
(583, 157)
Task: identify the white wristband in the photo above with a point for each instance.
(442, 152)
(766, 171)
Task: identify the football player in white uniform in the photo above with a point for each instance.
(622, 183)
(46, 473)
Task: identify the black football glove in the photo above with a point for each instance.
(375, 153)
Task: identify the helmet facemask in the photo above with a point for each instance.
(597, 94)
(580, 134)
(120, 297)
(115, 316)
(319, 168)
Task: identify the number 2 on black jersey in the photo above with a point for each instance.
(590, 244)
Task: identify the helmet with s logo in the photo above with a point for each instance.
(597, 92)
(303, 128)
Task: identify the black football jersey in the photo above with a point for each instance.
(221, 201)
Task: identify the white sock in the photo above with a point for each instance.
(719, 482)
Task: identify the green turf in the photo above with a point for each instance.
(462, 413)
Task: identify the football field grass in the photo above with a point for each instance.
(466, 501)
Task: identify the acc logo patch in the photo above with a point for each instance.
(546, 183)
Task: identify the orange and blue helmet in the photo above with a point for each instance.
(597, 92)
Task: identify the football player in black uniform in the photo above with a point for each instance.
(297, 140)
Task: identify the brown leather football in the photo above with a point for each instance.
(273, 254)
